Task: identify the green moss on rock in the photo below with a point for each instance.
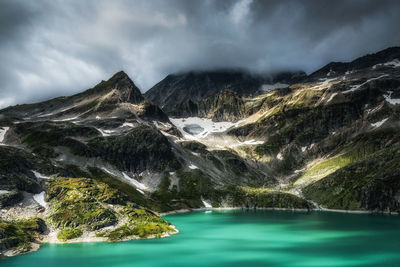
(69, 233)
(79, 204)
(20, 234)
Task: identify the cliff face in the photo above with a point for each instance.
(181, 94)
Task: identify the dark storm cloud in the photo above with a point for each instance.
(50, 48)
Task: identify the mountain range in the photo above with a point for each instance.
(106, 162)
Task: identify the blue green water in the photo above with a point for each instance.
(240, 238)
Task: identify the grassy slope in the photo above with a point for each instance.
(371, 183)
(79, 204)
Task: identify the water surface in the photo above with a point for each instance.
(242, 238)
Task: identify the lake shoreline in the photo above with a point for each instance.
(181, 211)
(238, 237)
(89, 239)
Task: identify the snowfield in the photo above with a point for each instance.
(197, 128)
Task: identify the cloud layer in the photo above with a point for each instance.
(54, 47)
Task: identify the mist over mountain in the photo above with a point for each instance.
(53, 48)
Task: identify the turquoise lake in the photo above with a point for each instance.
(242, 238)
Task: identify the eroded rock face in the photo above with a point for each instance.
(15, 170)
(140, 149)
(180, 94)
(369, 184)
(224, 106)
(9, 198)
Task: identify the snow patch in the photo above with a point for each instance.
(39, 198)
(135, 182)
(269, 87)
(4, 192)
(45, 115)
(3, 131)
(108, 171)
(128, 124)
(39, 175)
(131, 180)
(279, 156)
(252, 142)
(193, 167)
(298, 171)
(348, 72)
(356, 87)
(326, 81)
(303, 148)
(332, 96)
(140, 191)
(390, 100)
(203, 126)
(395, 63)
(105, 132)
(68, 119)
(206, 204)
(379, 123)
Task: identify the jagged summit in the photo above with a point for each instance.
(121, 82)
(188, 88)
(383, 57)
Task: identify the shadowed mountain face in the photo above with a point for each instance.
(179, 94)
(333, 69)
(329, 140)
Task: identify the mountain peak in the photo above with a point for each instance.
(120, 75)
(188, 88)
(121, 82)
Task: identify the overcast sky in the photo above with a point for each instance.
(50, 48)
